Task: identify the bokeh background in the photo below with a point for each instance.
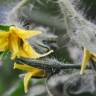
(44, 15)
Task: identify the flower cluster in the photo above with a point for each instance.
(15, 40)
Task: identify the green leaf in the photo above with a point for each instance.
(4, 27)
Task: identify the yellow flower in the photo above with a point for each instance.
(15, 40)
(86, 58)
(31, 71)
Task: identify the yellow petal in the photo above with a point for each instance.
(24, 34)
(31, 72)
(3, 44)
(4, 34)
(94, 58)
(14, 47)
(28, 68)
(86, 58)
(3, 41)
(24, 67)
(29, 52)
(26, 51)
(27, 77)
(94, 54)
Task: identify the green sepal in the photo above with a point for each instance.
(4, 27)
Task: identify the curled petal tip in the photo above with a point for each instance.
(12, 28)
(51, 51)
(14, 67)
(25, 90)
(39, 32)
(81, 72)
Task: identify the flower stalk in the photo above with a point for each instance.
(80, 30)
